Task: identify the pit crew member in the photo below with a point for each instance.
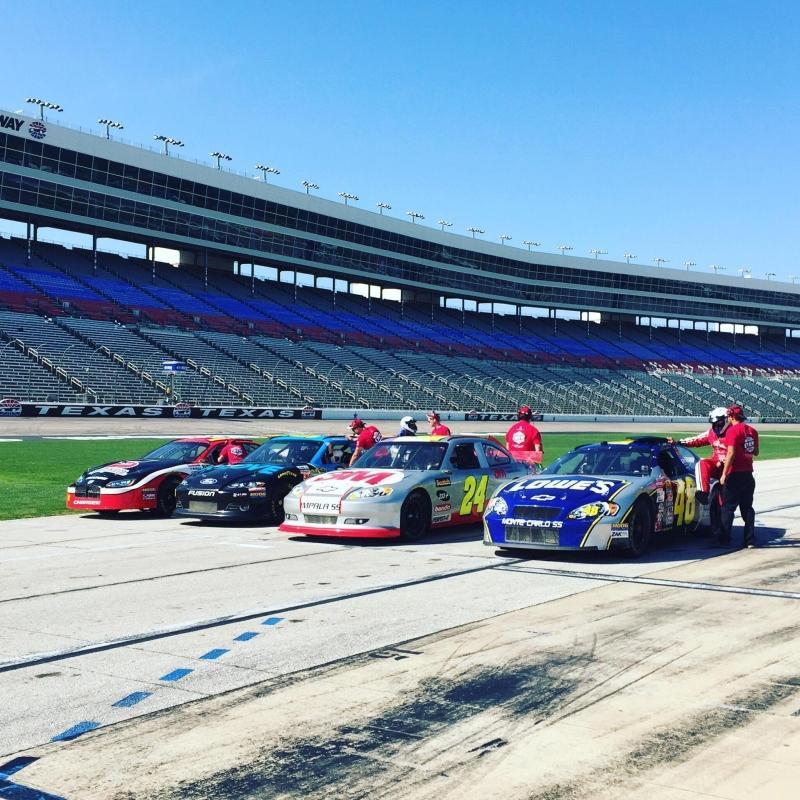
(365, 436)
(232, 453)
(437, 429)
(738, 484)
(710, 467)
(523, 439)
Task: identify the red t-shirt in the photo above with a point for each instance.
(369, 437)
(744, 441)
(522, 437)
(440, 430)
(232, 453)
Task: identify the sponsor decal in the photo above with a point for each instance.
(327, 488)
(749, 445)
(202, 492)
(619, 530)
(287, 473)
(11, 123)
(368, 477)
(148, 494)
(513, 522)
(308, 412)
(441, 518)
(319, 506)
(443, 482)
(182, 409)
(9, 407)
(441, 508)
(477, 416)
(442, 495)
(572, 484)
(258, 491)
(208, 481)
(37, 129)
(543, 497)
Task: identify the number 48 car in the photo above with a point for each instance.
(604, 496)
(401, 488)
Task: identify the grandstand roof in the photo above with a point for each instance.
(61, 177)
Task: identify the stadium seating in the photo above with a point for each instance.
(78, 326)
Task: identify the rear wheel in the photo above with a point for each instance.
(165, 499)
(415, 517)
(640, 528)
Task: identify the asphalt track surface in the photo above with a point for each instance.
(146, 658)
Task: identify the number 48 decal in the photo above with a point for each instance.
(474, 495)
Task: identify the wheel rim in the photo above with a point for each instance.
(413, 519)
(639, 532)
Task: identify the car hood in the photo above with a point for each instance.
(339, 483)
(221, 476)
(565, 491)
(119, 470)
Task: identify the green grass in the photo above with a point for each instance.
(34, 474)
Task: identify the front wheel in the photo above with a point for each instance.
(415, 517)
(640, 527)
(274, 508)
(166, 499)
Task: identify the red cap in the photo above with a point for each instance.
(737, 412)
(356, 423)
(433, 415)
(524, 412)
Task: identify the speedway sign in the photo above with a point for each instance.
(180, 410)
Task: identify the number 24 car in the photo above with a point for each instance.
(402, 488)
(604, 496)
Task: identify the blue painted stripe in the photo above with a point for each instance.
(13, 791)
(272, 620)
(245, 637)
(132, 699)
(15, 765)
(176, 675)
(212, 654)
(75, 731)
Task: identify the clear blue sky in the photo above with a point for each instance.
(663, 129)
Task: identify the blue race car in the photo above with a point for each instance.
(254, 488)
(604, 496)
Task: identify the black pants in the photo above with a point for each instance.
(738, 492)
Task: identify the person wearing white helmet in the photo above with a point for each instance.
(710, 467)
(408, 426)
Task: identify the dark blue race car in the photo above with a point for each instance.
(604, 496)
(254, 488)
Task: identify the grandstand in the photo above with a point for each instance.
(81, 324)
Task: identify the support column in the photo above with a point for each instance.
(205, 270)
(253, 279)
(153, 261)
(28, 243)
(94, 253)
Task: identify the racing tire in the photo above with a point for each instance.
(166, 499)
(274, 506)
(415, 517)
(640, 528)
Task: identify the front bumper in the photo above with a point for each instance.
(221, 505)
(143, 498)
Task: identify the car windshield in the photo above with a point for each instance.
(283, 451)
(605, 460)
(404, 455)
(185, 452)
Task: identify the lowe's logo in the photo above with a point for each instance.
(12, 123)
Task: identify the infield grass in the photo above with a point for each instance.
(34, 474)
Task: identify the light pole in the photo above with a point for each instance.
(793, 278)
(689, 264)
(382, 206)
(717, 268)
(595, 252)
(531, 244)
(769, 275)
(415, 215)
(267, 170)
(444, 224)
(628, 257)
(744, 271)
(310, 185)
(167, 140)
(504, 237)
(473, 231)
(563, 248)
(220, 157)
(659, 261)
(43, 104)
(109, 123)
(347, 196)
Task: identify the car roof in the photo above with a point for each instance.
(309, 437)
(213, 439)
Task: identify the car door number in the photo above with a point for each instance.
(474, 495)
(684, 508)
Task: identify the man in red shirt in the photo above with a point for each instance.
(232, 453)
(710, 467)
(737, 479)
(523, 439)
(365, 436)
(437, 429)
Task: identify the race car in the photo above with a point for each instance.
(401, 488)
(149, 483)
(604, 496)
(254, 488)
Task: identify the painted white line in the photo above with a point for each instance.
(10, 440)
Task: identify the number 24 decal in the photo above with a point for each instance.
(474, 495)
